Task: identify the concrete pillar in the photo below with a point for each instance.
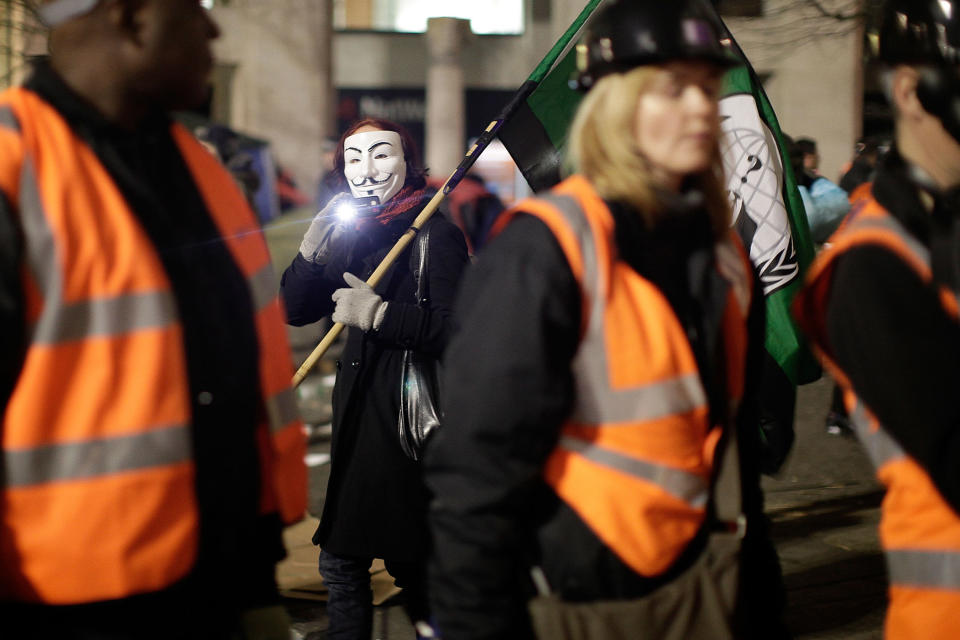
(326, 107)
(446, 117)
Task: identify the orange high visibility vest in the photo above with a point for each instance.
(98, 497)
(635, 458)
(919, 531)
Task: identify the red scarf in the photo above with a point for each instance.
(406, 199)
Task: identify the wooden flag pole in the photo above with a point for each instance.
(373, 280)
(478, 147)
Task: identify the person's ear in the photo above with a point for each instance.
(904, 93)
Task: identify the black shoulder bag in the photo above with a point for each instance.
(419, 376)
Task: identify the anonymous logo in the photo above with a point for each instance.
(754, 173)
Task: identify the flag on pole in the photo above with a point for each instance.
(536, 134)
(516, 104)
(542, 165)
(768, 212)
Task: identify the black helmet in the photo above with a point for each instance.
(629, 33)
(926, 33)
(920, 32)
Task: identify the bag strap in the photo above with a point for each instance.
(419, 260)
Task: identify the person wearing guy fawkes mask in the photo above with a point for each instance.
(881, 306)
(375, 504)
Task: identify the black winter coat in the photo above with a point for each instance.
(376, 501)
(508, 387)
(877, 299)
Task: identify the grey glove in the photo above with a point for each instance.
(358, 306)
(325, 231)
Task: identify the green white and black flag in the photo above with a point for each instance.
(535, 134)
(768, 212)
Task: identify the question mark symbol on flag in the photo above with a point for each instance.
(754, 167)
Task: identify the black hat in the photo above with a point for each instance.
(630, 33)
(920, 32)
(926, 33)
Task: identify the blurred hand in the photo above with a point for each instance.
(326, 231)
(358, 306)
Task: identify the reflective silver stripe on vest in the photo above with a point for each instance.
(922, 568)
(60, 321)
(8, 119)
(651, 402)
(889, 223)
(263, 287)
(909, 568)
(597, 402)
(282, 410)
(79, 460)
(880, 446)
(690, 488)
(40, 249)
(105, 317)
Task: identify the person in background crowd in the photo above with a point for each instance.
(329, 178)
(151, 448)
(824, 202)
(806, 148)
(225, 144)
(473, 208)
(608, 338)
(868, 152)
(881, 306)
(288, 193)
(376, 502)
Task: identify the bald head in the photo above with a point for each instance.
(129, 57)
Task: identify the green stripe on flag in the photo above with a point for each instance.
(536, 136)
(538, 140)
(563, 42)
(555, 103)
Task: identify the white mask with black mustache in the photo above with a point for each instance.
(374, 164)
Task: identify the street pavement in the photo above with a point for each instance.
(823, 506)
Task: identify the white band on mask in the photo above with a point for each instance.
(374, 164)
(57, 12)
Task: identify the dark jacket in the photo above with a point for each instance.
(376, 502)
(882, 318)
(220, 344)
(508, 387)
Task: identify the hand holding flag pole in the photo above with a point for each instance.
(472, 154)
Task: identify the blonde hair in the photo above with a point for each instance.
(602, 148)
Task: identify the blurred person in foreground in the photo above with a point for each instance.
(151, 446)
(881, 307)
(376, 503)
(606, 362)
